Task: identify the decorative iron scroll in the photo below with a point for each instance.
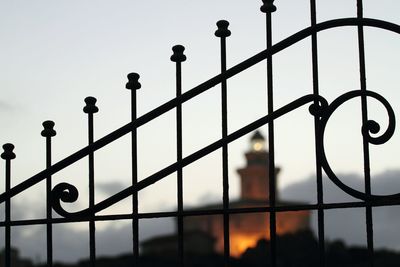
(319, 108)
(68, 193)
(197, 90)
(371, 127)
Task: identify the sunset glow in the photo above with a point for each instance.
(240, 243)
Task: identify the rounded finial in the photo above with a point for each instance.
(133, 81)
(48, 130)
(222, 29)
(90, 105)
(268, 6)
(8, 151)
(178, 55)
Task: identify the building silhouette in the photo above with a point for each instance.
(15, 259)
(245, 229)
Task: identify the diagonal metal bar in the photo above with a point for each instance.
(193, 157)
(194, 92)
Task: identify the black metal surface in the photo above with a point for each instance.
(133, 85)
(268, 8)
(222, 32)
(8, 155)
(187, 213)
(48, 132)
(318, 168)
(364, 112)
(162, 109)
(178, 57)
(319, 109)
(90, 109)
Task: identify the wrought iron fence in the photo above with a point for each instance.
(319, 108)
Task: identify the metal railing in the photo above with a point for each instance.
(319, 108)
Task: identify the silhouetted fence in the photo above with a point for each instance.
(319, 109)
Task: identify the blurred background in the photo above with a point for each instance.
(55, 53)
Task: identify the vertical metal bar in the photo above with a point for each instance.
(268, 7)
(133, 85)
(364, 112)
(8, 217)
(178, 57)
(223, 32)
(48, 132)
(90, 109)
(318, 151)
(8, 155)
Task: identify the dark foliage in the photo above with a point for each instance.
(293, 250)
(301, 250)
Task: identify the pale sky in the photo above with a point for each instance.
(55, 53)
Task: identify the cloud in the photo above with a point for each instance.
(5, 106)
(387, 182)
(209, 198)
(110, 188)
(349, 224)
(71, 241)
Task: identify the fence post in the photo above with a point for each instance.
(8, 155)
(90, 109)
(133, 84)
(178, 57)
(222, 32)
(317, 134)
(268, 8)
(48, 132)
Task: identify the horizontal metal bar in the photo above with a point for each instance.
(194, 212)
(194, 92)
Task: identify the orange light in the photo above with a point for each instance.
(256, 229)
(240, 243)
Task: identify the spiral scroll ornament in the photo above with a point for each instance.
(63, 192)
(370, 127)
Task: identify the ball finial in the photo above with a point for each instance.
(48, 130)
(133, 81)
(90, 105)
(178, 55)
(222, 29)
(268, 6)
(8, 153)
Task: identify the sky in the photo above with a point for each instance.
(55, 53)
